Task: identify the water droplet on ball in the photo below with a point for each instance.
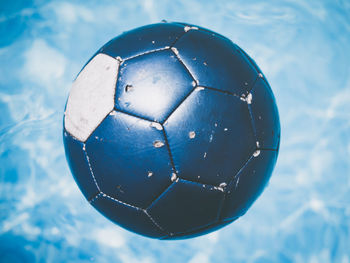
(158, 144)
(187, 28)
(174, 49)
(222, 185)
(199, 88)
(128, 88)
(191, 134)
(173, 177)
(157, 125)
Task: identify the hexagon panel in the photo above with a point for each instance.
(186, 205)
(210, 136)
(129, 159)
(248, 184)
(215, 62)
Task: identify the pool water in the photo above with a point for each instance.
(303, 49)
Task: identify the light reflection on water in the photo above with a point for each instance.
(303, 216)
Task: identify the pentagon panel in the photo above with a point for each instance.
(185, 206)
(79, 166)
(210, 136)
(265, 115)
(152, 85)
(248, 184)
(91, 97)
(133, 219)
(215, 62)
(129, 159)
(143, 39)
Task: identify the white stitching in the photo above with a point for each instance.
(121, 202)
(95, 198)
(252, 123)
(238, 175)
(154, 222)
(147, 52)
(176, 53)
(221, 187)
(92, 173)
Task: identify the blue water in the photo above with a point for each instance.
(303, 48)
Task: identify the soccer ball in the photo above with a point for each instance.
(171, 131)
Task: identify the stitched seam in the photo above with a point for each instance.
(98, 124)
(133, 115)
(177, 106)
(169, 151)
(221, 91)
(71, 135)
(200, 183)
(176, 40)
(91, 171)
(233, 179)
(154, 222)
(116, 83)
(146, 52)
(129, 205)
(118, 201)
(156, 50)
(95, 198)
(254, 82)
(252, 122)
(238, 174)
(160, 195)
(249, 59)
(183, 64)
(217, 188)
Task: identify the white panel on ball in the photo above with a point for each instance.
(91, 98)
